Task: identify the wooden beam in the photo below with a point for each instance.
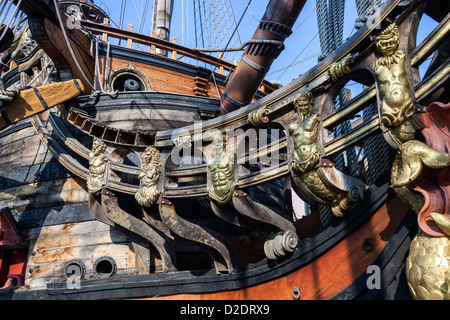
(35, 100)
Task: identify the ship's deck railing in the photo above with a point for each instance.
(172, 49)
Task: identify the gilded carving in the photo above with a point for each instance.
(149, 177)
(221, 169)
(427, 266)
(341, 67)
(325, 185)
(305, 134)
(97, 167)
(396, 109)
(414, 155)
(258, 117)
(396, 104)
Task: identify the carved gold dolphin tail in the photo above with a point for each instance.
(443, 222)
(415, 154)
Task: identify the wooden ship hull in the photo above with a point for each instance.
(61, 239)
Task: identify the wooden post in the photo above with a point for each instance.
(129, 41)
(221, 67)
(104, 34)
(153, 47)
(174, 53)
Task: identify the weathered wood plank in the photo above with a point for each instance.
(66, 229)
(17, 135)
(81, 251)
(67, 213)
(25, 158)
(51, 247)
(45, 194)
(17, 176)
(38, 276)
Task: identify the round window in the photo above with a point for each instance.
(105, 267)
(128, 78)
(74, 269)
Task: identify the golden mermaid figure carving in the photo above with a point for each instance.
(305, 135)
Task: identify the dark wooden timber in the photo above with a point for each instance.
(207, 280)
(61, 220)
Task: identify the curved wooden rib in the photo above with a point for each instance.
(260, 212)
(280, 242)
(221, 251)
(228, 213)
(118, 216)
(309, 268)
(96, 209)
(317, 280)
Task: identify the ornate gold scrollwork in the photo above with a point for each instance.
(427, 269)
(341, 67)
(98, 161)
(413, 155)
(221, 171)
(326, 185)
(258, 117)
(149, 177)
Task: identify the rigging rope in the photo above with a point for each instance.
(235, 30)
(58, 14)
(294, 62)
(365, 9)
(330, 21)
(14, 15)
(297, 57)
(215, 31)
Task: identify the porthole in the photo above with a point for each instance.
(105, 267)
(128, 78)
(74, 269)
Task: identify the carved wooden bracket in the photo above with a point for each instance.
(219, 249)
(105, 208)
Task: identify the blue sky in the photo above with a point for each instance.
(302, 47)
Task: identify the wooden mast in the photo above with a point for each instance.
(265, 45)
(161, 20)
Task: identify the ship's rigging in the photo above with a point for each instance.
(328, 146)
(215, 26)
